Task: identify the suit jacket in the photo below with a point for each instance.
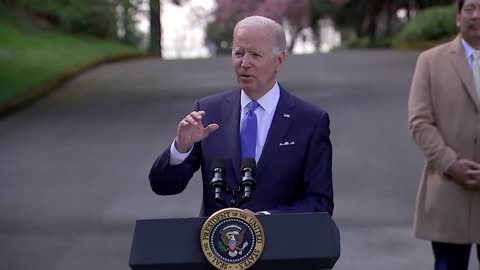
(444, 121)
(289, 178)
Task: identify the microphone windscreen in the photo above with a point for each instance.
(249, 163)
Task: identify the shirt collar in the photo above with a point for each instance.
(268, 102)
(468, 50)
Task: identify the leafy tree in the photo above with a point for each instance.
(422, 4)
(360, 16)
(295, 13)
(128, 21)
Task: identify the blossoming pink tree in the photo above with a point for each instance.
(292, 13)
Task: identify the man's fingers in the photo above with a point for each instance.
(197, 115)
(195, 119)
(183, 123)
(474, 173)
(471, 164)
(191, 120)
(211, 127)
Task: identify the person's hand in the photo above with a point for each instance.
(250, 212)
(474, 181)
(474, 174)
(465, 173)
(191, 130)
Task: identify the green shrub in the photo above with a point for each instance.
(431, 24)
(92, 17)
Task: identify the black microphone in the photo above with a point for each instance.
(218, 184)
(248, 184)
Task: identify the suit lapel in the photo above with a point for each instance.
(462, 67)
(282, 119)
(231, 123)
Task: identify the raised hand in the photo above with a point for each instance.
(191, 130)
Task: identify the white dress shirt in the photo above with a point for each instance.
(264, 112)
(468, 53)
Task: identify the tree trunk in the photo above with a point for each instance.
(372, 29)
(375, 7)
(408, 7)
(389, 23)
(155, 46)
(292, 42)
(318, 39)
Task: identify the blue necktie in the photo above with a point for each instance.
(248, 132)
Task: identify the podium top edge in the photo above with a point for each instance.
(204, 217)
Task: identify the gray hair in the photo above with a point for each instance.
(278, 33)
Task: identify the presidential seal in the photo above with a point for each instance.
(232, 239)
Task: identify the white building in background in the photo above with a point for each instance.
(184, 27)
(329, 39)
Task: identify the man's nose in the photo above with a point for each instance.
(245, 61)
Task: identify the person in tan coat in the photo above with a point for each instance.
(444, 121)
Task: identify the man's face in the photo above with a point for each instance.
(254, 61)
(468, 21)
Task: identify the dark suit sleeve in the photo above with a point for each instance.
(166, 179)
(317, 190)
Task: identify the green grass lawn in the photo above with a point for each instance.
(31, 56)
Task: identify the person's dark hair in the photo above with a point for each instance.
(460, 5)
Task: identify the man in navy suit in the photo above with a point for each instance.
(291, 143)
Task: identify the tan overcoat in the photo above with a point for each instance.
(444, 120)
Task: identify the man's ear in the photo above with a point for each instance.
(280, 59)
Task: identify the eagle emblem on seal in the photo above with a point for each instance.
(232, 240)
